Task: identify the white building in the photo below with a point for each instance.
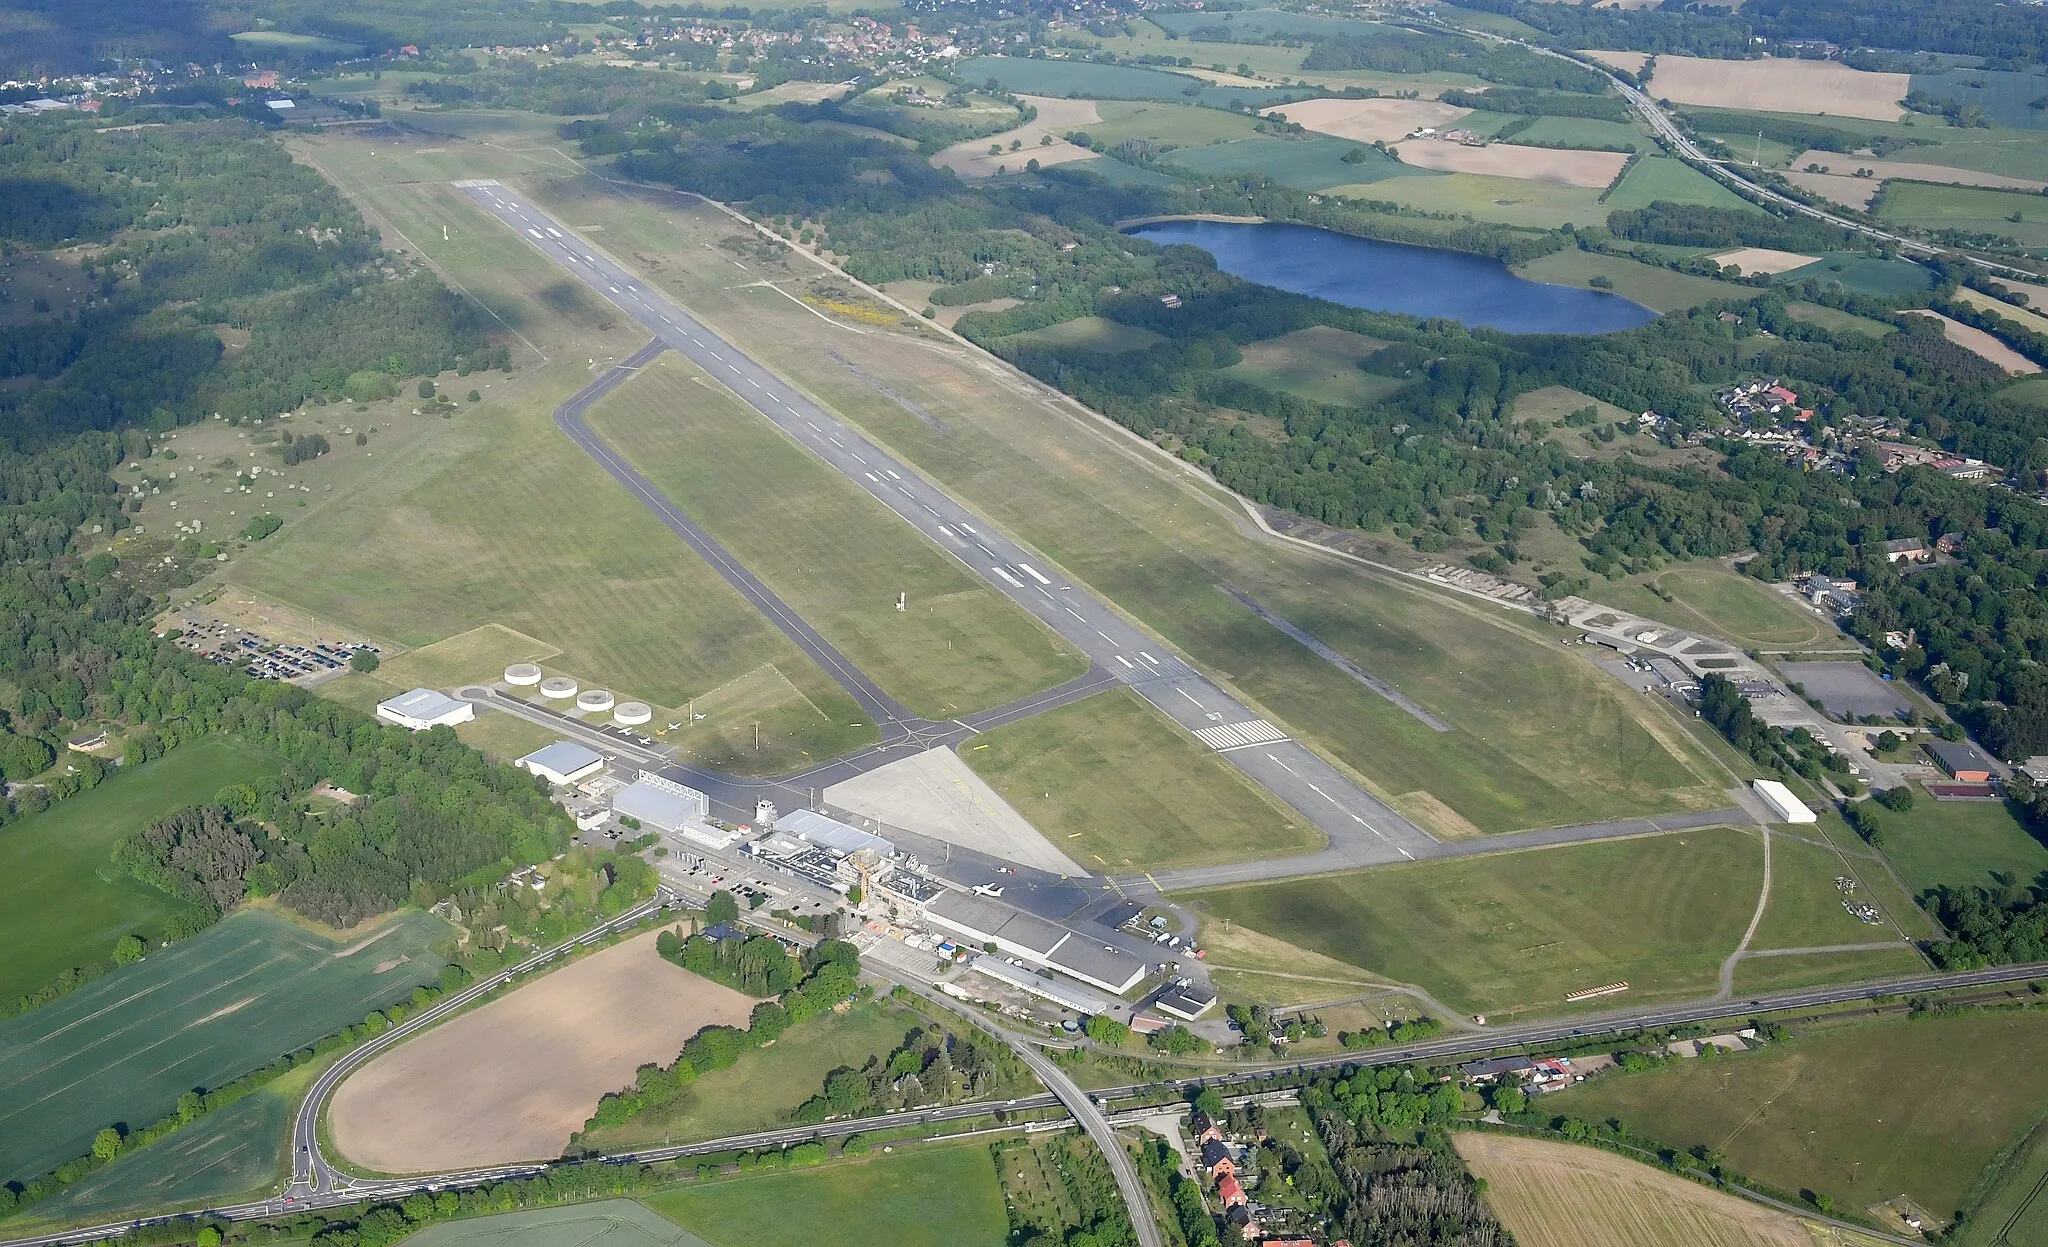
(424, 708)
(981, 922)
(563, 763)
(1783, 803)
(661, 803)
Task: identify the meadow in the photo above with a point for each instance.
(1657, 178)
(1926, 201)
(1863, 274)
(1803, 875)
(2013, 1211)
(1098, 81)
(1181, 124)
(767, 1084)
(1862, 1113)
(1513, 933)
(605, 1223)
(1090, 333)
(197, 1014)
(1314, 164)
(1508, 201)
(66, 903)
(1718, 600)
(1118, 788)
(1834, 320)
(1658, 289)
(1318, 363)
(924, 1196)
(1156, 538)
(496, 518)
(833, 553)
(1961, 844)
(1585, 132)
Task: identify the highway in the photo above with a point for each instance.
(1361, 829)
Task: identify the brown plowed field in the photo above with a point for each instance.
(1558, 1195)
(1535, 164)
(1826, 88)
(513, 1080)
(1368, 120)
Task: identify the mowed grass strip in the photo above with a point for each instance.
(498, 518)
(836, 555)
(1544, 737)
(65, 904)
(1724, 603)
(768, 1083)
(1515, 933)
(929, 1196)
(197, 1014)
(1863, 1113)
(1115, 786)
(1961, 844)
(1559, 1195)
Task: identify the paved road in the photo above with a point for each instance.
(1361, 829)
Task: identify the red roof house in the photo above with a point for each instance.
(1230, 1192)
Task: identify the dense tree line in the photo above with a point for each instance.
(1531, 103)
(205, 223)
(1395, 50)
(2006, 35)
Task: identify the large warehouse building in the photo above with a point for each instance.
(563, 763)
(423, 708)
(661, 803)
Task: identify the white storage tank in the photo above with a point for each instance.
(632, 713)
(522, 674)
(590, 701)
(555, 688)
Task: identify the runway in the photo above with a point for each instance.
(1362, 830)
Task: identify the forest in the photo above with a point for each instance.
(2005, 35)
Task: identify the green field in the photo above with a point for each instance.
(1862, 274)
(1718, 600)
(2006, 96)
(768, 1083)
(1835, 321)
(236, 1151)
(606, 1223)
(66, 904)
(1514, 933)
(929, 1196)
(2013, 1211)
(1510, 201)
(1115, 786)
(1767, 974)
(1555, 402)
(262, 41)
(1657, 178)
(1805, 909)
(1097, 81)
(1658, 289)
(1925, 201)
(197, 1014)
(1862, 1113)
(1312, 164)
(1960, 843)
(1589, 133)
(1090, 333)
(1318, 363)
(833, 553)
(1183, 125)
(2032, 391)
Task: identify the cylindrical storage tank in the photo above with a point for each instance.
(632, 713)
(522, 674)
(593, 700)
(555, 688)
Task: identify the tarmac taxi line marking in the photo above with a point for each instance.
(754, 383)
(1125, 661)
(1112, 640)
(928, 507)
(1071, 611)
(856, 457)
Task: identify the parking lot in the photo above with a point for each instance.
(267, 659)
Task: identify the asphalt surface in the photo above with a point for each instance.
(1361, 828)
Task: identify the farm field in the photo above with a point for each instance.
(767, 1084)
(66, 904)
(1836, 321)
(1999, 307)
(1982, 344)
(1318, 363)
(606, 1223)
(1662, 177)
(1098, 81)
(1885, 170)
(1056, 118)
(1863, 274)
(1828, 88)
(1559, 1195)
(1659, 289)
(2006, 96)
(1961, 844)
(1182, 124)
(1118, 788)
(1158, 541)
(1716, 599)
(1861, 1113)
(498, 518)
(924, 1196)
(1924, 201)
(1590, 170)
(1583, 132)
(1512, 934)
(1090, 333)
(1509, 201)
(1850, 192)
(836, 555)
(1306, 164)
(235, 1151)
(514, 1079)
(1366, 120)
(197, 1014)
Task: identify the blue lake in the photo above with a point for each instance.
(1391, 277)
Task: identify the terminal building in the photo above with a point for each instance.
(826, 851)
(423, 708)
(981, 922)
(563, 763)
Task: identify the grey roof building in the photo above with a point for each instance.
(660, 803)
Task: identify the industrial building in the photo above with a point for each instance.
(563, 763)
(423, 708)
(661, 803)
(839, 839)
(981, 922)
(1040, 985)
(1186, 1001)
(1788, 807)
(1964, 762)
